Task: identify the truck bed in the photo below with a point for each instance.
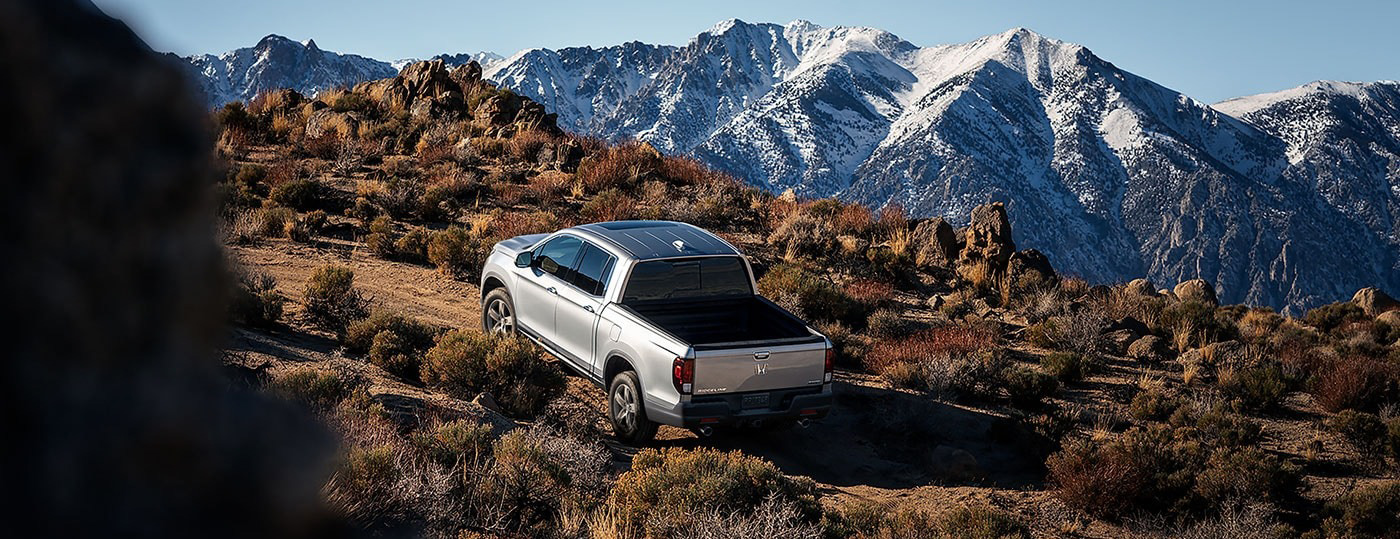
(723, 321)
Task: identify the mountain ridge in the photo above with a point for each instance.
(1110, 174)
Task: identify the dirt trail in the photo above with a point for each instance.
(416, 290)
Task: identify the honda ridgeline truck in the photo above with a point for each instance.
(666, 318)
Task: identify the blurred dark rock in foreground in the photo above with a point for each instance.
(118, 423)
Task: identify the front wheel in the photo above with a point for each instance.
(498, 312)
(625, 409)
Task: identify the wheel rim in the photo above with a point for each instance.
(498, 317)
(625, 408)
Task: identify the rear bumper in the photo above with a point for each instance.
(729, 409)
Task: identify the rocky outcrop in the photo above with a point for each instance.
(988, 237)
(1141, 287)
(1374, 301)
(935, 245)
(1198, 290)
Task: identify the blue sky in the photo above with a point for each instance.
(1210, 50)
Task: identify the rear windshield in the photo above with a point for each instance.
(688, 278)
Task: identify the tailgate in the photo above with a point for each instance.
(759, 368)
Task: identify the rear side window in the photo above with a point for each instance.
(689, 278)
(557, 257)
(594, 265)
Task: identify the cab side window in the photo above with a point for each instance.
(594, 266)
(557, 257)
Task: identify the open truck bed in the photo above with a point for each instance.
(725, 322)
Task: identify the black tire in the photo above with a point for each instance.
(629, 425)
(498, 312)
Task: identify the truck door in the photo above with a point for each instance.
(538, 292)
(576, 316)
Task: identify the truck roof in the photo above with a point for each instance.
(648, 240)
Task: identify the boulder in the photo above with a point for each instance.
(1391, 318)
(988, 237)
(1374, 301)
(1149, 348)
(1029, 267)
(1196, 290)
(327, 121)
(1141, 287)
(1117, 342)
(954, 464)
(935, 302)
(934, 243)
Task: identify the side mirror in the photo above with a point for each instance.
(523, 260)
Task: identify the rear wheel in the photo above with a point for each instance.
(625, 409)
(498, 312)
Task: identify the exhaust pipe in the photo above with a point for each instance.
(804, 422)
(705, 431)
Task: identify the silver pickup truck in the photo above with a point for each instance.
(666, 318)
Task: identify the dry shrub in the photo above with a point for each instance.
(538, 483)
(810, 295)
(1259, 324)
(1028, 387)
(381, 237)
(456, 252)
(1259, 388)
(870, 292)
(1163, 470)
(465, 363)
(273, 221)
(391, 341)
(331, 298)
(1365, 431)
(618, 167)
(955, 361)
(1333, 316)
(713, 204)
(609, 205)
(854, 219)
(1369, 511)
(886, 323)
(982, 276)
(687, 171)
(772, 519)
(1354, 382)
(412, 246)
(526, 145)
(382, 480)
(298, 194)
(244, 227)
(488, 147)
(1067, 366)
(803, 233)
(436, 143)
(550, 187)
(666, 489)
(311, 387)
(500, 225)
(1237, 521)
(256, 301)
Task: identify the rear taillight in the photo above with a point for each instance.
(683, 375)
(830, 364)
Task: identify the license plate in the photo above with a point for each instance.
(756, 401)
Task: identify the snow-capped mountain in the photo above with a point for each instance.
(277, 62)
(1110, 174)
(1289, 199)
(581, 83)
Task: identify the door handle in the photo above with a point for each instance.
(588, 308)
(553, 290)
